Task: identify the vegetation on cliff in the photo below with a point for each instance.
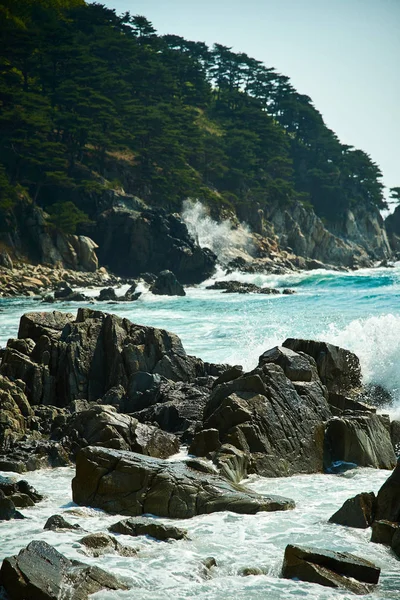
(90, 99)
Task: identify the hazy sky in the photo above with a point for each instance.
(344, 54)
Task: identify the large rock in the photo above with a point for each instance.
(338, 369)
(363, 440)
(278, 423)
(388, 498)
(356, 512)
(132, 242)
(331, 569)
(132, 485)
(103, 426)
(87, 356)
(167, 284)
(40, 572)
(15, 412)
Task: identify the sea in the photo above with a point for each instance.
(358, 310)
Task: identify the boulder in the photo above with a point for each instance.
(7, 509)
(167, 284)
(388, 498)
(161, 241)
(277, 423)
(132, 485)
(58, 523)
(363, 440)
(63, 291)
(338, 369)
(356, 512)
(103, 426)
(383, 532)
(150, 527)
(331, 569)
(205, 442)
(40, 572)
(107, 294)
(97, 544)
(296, 366)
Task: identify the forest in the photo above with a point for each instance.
(92, 100)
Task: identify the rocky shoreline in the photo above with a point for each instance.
(119, 399)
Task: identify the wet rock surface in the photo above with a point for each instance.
(132, 484)
(97, 544)
(150, 527)
(356, 512)
(40, 572)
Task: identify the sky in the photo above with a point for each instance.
(344, 54)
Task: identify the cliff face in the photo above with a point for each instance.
(356, 241)
(392, 223)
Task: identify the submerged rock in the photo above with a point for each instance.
(58, 523)
(97, 544)
(40, 572)
(239, 287)
(150, 527)
(331, 569)
(131, 484)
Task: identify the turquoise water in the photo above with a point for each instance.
(357, 310)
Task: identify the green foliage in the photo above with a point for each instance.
(80, 85)
(66, 217)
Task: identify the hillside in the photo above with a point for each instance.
(92, 102)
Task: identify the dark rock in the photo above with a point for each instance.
(161, 242)
(150, 527)
(167, 284)
(103, 426)
(339, 369)
(51, 324)
(21, 500)
(63, 292)
(363, 440)
(297, 367)
(14, 412)
(383, 532)
(343, 403)
(388, 498)
(288, 292)
(107, 294)
(356, 512)
(228, 375)
(396, 543)
(332, 569)
(135, 485)
(57, 523)
(7, 509)
(40, 572)
(395, 436)
(205, 442)
(5, 260)
(97, 544)
(239, 287)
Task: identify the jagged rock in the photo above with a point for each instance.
(297, 367)
(363, 440)
(383, 532)
(14, 412)
(103, 426)
(278, 424)
(167, 284)
(230, 373)
(161, 242)
(5, 260)
(239, 287)
(57, 523)
(332, 569)
(356, 512)
(150, 527)
(338, 369)
(395, 436)
(13, 488)
(40, 572)
(97, 544)
(49, 324)
(33, 454)
(205, 442)
(343, 403)
(388, 498)
(132, 485)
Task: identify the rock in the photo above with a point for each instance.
(383, 532)
(33, 454)
(57, 523)
(40, 572)
(150, 527)
(205, 442)
(63, 291)
(297, 367)
(363, 440)
(228, 375)
(343, 403)
(162, 242)
(356, 512)
(7, 509)
(103, 426)
(338, 369)
(239, 287)
(395, 436)
(288, 292)
(388, 498)
(14, 413)
(331, 569)
(5, 260)
(167, 284)
(21, 500)
(131, 484)
(97, 544)
(396, 543)
(107, 294)
(37, 324)
(247, 571)
(277, 424)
